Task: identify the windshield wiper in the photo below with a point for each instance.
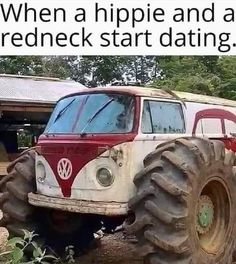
(62, 112)
(95, 114)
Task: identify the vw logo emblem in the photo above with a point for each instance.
(64, 168)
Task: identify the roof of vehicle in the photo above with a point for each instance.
(167, 94)
(189, 97)
(34, 89)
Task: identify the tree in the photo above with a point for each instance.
(209, 75)
(62, 67)
(51, 66)
(227, 67)
(227, 89)
(27, 65)
(98, 70)
(141, 69)
(103, 70)
(187, 73)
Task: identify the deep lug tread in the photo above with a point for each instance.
(207, 149)
(4, 220)
(193, 149)
(157, 259)
(3, 197)
(164, 215)
(175, 246)
(152, 156)
(140, 224)
(20, 159)
(155, 166)
(17, 211)
(142, 195)
(170, 187)
(24, 171)
(219, 148)
(6, 179)
(229, 158)
(146, 250)
(179, 164)
(19, 190)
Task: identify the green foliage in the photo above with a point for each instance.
(89, 70)
(98, 70)
(140, 69)
(227, 89)
(59, 66)
(205, 75)
(187, 74)
(24, 139)
(70, 254)
(209, 75)
(18, 250)
(227, 67)
(23, 65)
(181, 66)
(102, 70)
(51, 66)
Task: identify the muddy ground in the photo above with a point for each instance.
(110, 249)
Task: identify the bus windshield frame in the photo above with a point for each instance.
(93, 113)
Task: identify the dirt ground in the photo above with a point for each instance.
(110, 249)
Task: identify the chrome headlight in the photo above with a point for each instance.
(41, 172)
(105, 177)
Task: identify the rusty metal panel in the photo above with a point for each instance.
(79, 206)
(164, 94)
(199, 98)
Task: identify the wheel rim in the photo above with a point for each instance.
(212, 216)
(205, 214)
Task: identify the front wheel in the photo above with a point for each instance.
(185, 206)
(56, 229)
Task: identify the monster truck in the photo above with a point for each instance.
(161, 161)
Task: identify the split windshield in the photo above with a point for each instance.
(92, 113)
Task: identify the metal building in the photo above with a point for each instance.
(26, 103)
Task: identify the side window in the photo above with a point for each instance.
(146, 125)
(162, 118)
(230, 127)
(211, 126)
(199, 129)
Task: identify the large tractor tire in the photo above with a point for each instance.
(185, 206)
(56, 229)
(18, 214)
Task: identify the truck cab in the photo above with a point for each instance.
(94, 144)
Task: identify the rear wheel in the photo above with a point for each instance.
(56, 229)
(185, 203)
